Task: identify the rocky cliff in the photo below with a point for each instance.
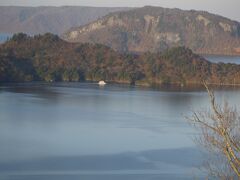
(155, 29)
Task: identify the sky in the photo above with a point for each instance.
(227, 8)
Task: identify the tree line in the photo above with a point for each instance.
(49, 58)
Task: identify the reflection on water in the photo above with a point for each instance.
(83, 131)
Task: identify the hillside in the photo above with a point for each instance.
(48, 58)
(36, 20)
(155, 29)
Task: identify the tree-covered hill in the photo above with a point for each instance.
(48, 58)
(155, 29)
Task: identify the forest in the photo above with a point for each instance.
(48, 58)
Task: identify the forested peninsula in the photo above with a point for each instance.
(49, 58)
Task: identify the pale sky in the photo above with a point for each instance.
(228, 8)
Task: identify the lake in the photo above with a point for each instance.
(4, 37)
(223, 59)
(64, 131)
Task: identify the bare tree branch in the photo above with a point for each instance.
(220, 133)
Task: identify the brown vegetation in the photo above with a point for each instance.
(48, 58)
(155, 29)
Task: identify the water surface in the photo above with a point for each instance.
(4, 37)
(223, 59)
(83, 131)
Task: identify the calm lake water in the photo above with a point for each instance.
(68, 131)
(223, 59)
(4, 37)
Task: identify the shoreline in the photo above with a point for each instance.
(137, 84)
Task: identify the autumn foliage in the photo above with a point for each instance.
(48, 58)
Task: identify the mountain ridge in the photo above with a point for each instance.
(54, 19)
(154, 29)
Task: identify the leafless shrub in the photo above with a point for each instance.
(219, 130)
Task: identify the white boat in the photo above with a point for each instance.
(102, 83)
